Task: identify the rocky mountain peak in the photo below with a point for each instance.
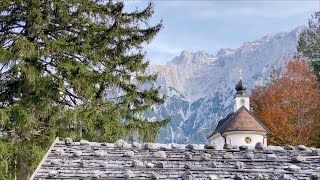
(189, 58)
(184, 58)
(298, 30)
(223, 52)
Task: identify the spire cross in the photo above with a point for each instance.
(241, 73)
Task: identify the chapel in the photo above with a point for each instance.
(240, 127)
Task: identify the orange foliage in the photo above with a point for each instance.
(290, 105)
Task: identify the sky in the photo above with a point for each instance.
(196, 25)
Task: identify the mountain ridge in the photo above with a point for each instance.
(200, 86)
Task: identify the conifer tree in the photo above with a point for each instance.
(309, 43)
(73, 68)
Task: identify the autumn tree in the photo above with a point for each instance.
(309, 43)
(290, 106)
(72, 68)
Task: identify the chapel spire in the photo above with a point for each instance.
(241, 86)
(241, 97)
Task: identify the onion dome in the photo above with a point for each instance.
(241, 89)
(241, 86)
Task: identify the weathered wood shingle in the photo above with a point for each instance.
(92, 160)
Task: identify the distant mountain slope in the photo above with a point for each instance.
(200, 86)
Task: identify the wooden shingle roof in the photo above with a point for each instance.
(241, 120)
(91, 160)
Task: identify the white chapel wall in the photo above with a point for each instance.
(240, 139)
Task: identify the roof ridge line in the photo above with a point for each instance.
(44, 158)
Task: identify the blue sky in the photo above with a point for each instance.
(211, 25)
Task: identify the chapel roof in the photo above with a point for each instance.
(241, 120)
(92, 160)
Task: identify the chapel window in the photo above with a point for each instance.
(247, 140)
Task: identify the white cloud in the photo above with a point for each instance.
(164, 48)
(160, 53)
(276, 10)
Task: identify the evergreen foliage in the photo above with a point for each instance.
(72, 68)
(309, 43)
